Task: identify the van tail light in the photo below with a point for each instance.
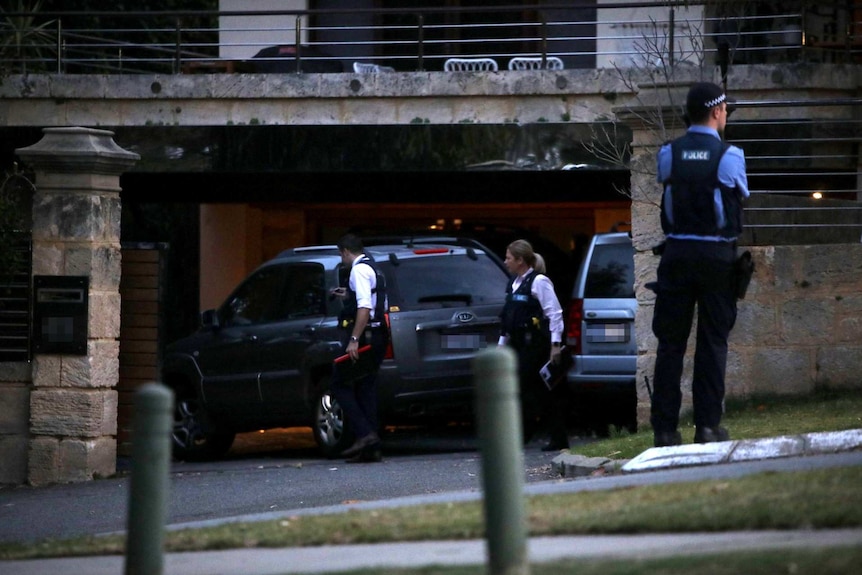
(390, 353)
(574, 323)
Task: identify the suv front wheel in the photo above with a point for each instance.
(329, 427)
(193, 437)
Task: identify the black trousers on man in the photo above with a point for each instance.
(692, 273)
(358, 398)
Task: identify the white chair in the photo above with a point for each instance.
(535, 63)
(470, 65)
(364, 68)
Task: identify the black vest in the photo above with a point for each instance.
(522, 317)
(348, 311)
(689, 205)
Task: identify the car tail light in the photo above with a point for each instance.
(390, 353)
(574, 321)
(425, 251)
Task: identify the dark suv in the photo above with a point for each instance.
(600, 331)
(264, 358)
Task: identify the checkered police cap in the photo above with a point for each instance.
(705, 95)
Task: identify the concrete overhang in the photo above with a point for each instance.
(311, 99)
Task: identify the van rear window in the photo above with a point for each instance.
(611, 272)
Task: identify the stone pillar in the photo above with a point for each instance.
(654, 116)
(76, 232)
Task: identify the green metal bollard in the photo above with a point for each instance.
(148, 493)
(501, 444)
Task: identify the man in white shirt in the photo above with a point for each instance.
(363, 324)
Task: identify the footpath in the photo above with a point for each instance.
(666, 464)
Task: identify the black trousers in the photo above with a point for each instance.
(537, 402)
(692, 273)
(358, 398)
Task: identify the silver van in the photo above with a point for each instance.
(600, 330)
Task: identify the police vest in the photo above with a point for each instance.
(348, 312)
(522, 313)
(694, 201)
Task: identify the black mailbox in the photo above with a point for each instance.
(60, 314)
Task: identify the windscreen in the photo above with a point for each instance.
(444, 281)
(611, 273)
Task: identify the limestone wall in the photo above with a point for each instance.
(799, 327)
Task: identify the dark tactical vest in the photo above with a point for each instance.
(691, 198)
(522, 317)
(347, 317)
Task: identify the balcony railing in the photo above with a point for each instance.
(790, 162)
(581, 35)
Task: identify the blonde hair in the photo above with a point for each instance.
(539, 266)
(524, 250)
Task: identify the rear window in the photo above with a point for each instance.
(444, 281)
(611, 272)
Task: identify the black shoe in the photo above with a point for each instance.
(710, 434)
(359, 444)
(667, 438)
(371, 453)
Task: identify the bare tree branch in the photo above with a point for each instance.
(660, 54)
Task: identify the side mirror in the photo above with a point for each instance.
(209, 319)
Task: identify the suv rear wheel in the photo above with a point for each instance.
(193, 437)
(330, 430)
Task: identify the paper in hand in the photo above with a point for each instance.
(553, 373)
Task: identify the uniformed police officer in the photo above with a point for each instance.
(704, 183)
(532, 323)
(362, 321)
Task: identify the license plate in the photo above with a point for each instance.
(462, 341)
(608, 333)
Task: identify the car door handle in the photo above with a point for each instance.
(251, 338)
(309, 330)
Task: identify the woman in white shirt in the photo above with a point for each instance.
(532, 324)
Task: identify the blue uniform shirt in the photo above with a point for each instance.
(731, 173)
